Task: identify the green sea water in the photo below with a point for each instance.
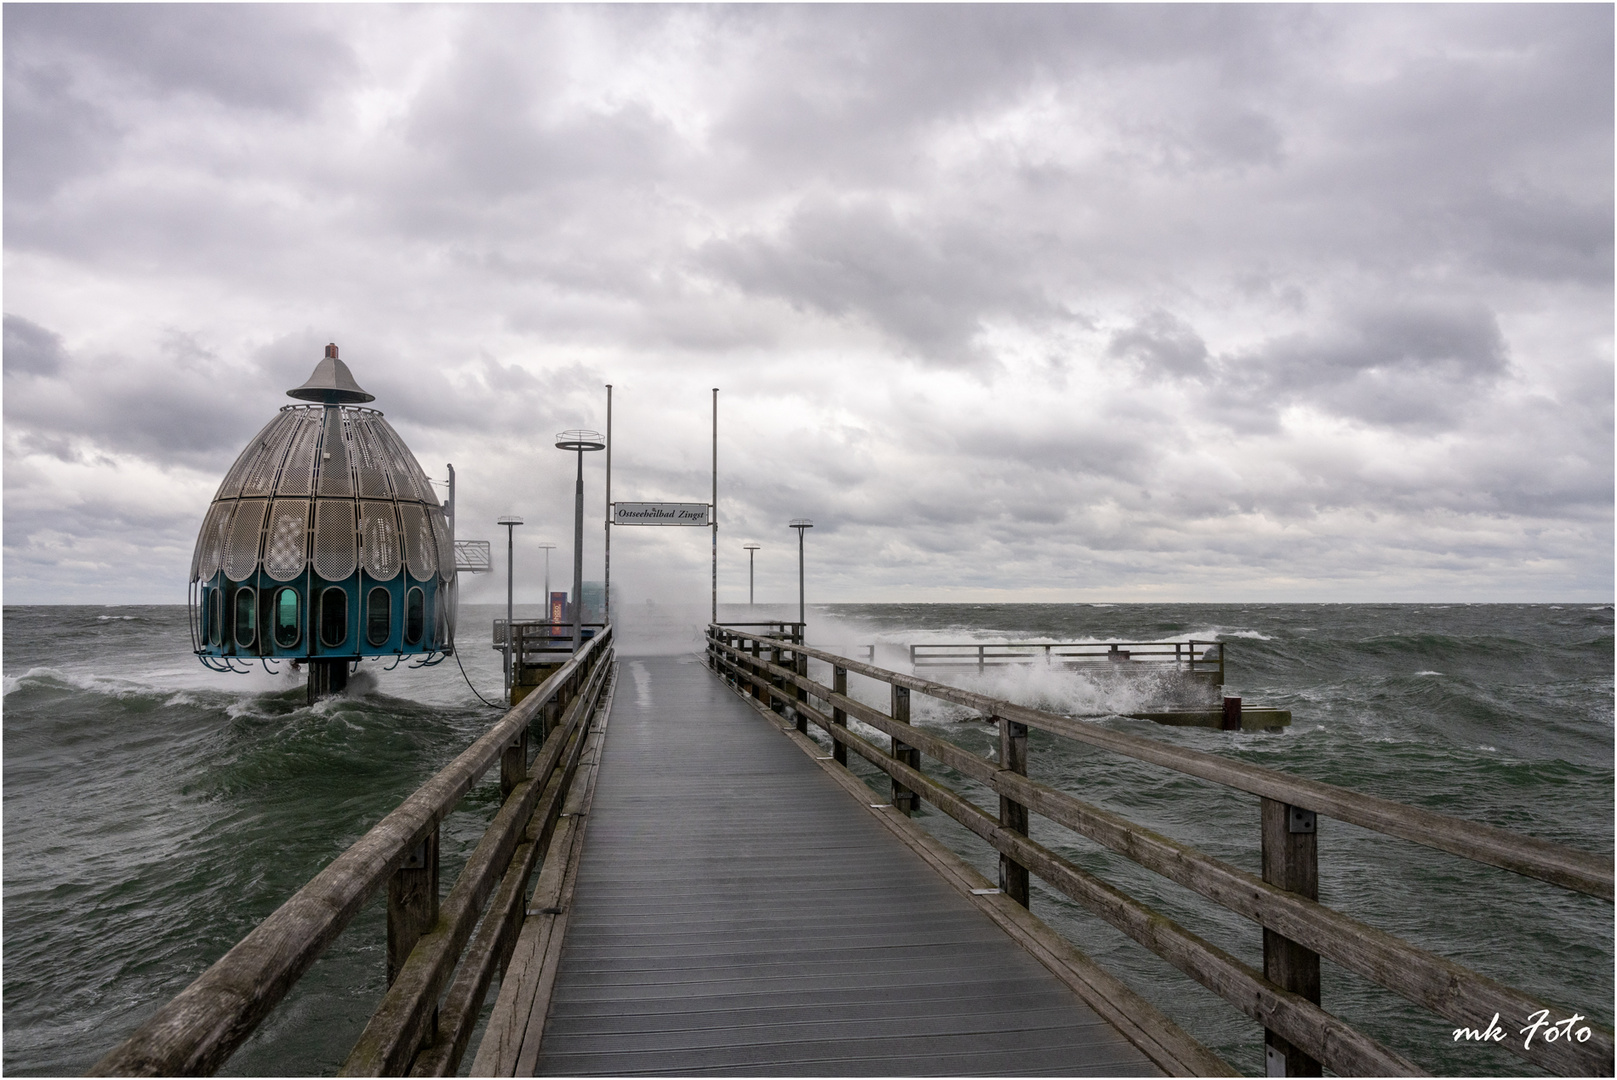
(154, 811)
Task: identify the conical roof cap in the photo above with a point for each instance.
(332, 383)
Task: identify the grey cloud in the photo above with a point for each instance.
(1403, 366)
(31, 349)
(256, 56)
(1163, 345)
(928, 285)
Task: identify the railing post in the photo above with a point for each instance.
(514, 765)
(753, 687)
(1290, 862)
(903, 798)
(839, 685)
(800, 665)
(412, 902)
(775, 703)
(1013, 815)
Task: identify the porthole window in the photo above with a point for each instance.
(246, 616)
(287, 626)
(378, 616)
(333, 617)
(215, 636)
(415, 617)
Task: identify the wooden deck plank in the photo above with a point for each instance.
(735, 912)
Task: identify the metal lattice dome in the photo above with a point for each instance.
(325, 496)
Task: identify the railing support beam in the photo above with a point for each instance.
(412, 902)
(839, 683)
(903, 798)
(1290, 862)
(1013, 879)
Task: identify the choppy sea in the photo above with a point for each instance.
(155, 811)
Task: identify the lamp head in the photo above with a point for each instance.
(579, 439)
(800, 523)
(509, 519)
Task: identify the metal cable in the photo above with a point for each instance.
(463, 675)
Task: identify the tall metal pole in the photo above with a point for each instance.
(510, 521)
(715, 505)
(450, 509)
(752, 550)
(578, 557)
(577, 441)
(800, 524)
(547, 548)
(606, 587)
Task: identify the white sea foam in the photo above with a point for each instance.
(1419, 673)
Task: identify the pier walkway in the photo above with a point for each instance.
(737, 912)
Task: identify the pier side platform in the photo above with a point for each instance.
(736, 912)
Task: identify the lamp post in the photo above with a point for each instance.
(752, 550)
(800, 524)
(510, 521)
(579, 440)
(547, 547)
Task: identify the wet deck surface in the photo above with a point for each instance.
(737, 913)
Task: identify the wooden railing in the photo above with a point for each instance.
(786, 631)
(431, 947)
(1284, 996)
(1200, 657)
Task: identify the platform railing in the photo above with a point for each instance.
(780, 629)
(1197, 657)
(1300, 1037)
(441, 955)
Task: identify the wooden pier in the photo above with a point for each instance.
(685, 878)
(737, 913)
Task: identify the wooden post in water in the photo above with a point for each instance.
(1290, 862)
(903, 798)
(412, 902)
(1232, 714)
(1013, 815)
(839, 685)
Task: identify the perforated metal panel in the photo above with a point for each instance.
(446, 546)
(211, 541)
(419, 549)
(249, 455)
(246, 529)
(335, 544)
(408, 480)
(259, 480)
(297, 474)
(333, 477)
(370, 460)
(284, 551)
(379, 533)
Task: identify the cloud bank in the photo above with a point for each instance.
(1034, 303)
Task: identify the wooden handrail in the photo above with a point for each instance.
(198, 1030)
(1558, 864)
(1447, 988)
(395, 1030)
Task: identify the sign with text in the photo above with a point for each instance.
(659, 513)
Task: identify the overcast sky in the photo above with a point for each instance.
(1043, 303)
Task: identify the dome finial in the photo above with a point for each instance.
(332, 383)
